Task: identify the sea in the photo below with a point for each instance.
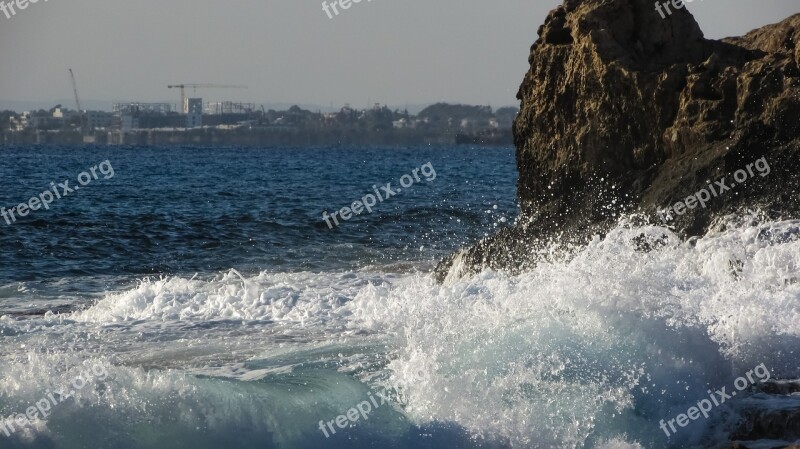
(187, 297)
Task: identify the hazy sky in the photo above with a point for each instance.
(288, 51)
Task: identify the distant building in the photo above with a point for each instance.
(194, 114)
(99, 119)
(19, 123)
(128, 122)
(142, 108)
(44, 120)
(228, 107)
(403, 124)
(129, 116)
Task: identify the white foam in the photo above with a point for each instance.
(565, 352)
(285, 297)
(586, 352)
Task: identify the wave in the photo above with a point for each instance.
(589, 350)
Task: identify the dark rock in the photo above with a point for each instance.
(779, 387)
(759, 445)
(623, 111)
(769, 416)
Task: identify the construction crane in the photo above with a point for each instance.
(183, 87)
(77, 99)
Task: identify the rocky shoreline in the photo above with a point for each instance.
(625, 112)
(765, 425)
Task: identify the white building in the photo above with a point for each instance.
(19, 123)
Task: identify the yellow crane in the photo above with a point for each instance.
(183, 87)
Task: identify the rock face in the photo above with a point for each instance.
(625, 111)
(770, 419)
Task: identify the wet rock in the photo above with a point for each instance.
(625, 111)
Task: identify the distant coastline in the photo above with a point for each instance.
(143, 124)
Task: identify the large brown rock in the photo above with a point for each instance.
(625, 111)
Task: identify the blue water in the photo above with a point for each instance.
(191, 213)
(181, 211)
(197, 299)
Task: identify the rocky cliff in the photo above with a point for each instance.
(624, 111)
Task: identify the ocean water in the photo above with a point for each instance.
(203, 302)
